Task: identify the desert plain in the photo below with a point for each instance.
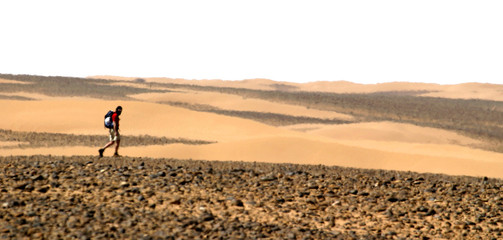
(251, 159)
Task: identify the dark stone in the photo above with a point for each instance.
(431, 212)
(43, 189)
(183, 182)
(422, 209)
(21, 186)
(237, 202)
(303, 194)
(176, 201)
(37, 178)
(134, 190)
(268, 178)
(470, 223)
(207, 217)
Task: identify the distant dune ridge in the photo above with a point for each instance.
(367, 139)
(463, 91)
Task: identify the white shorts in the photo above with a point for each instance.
(114, 136)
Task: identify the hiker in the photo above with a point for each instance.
(112, 123)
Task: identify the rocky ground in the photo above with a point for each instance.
(48, 197)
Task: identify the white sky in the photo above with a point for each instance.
(436, 41)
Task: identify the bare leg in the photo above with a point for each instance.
(102, 150)
(117, 147)
(108, 144)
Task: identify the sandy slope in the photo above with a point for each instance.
(386, 131)
(349, 87)
(11, 81)
(236, 103)
(39, 96)
(8, 143)
(78, 116)
(471, 91)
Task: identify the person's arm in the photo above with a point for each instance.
(116, 124)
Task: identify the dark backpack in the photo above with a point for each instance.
(108, 119)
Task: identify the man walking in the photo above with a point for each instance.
(115, 137)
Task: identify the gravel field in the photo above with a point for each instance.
(82, 197)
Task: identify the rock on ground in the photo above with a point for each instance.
(47, 197)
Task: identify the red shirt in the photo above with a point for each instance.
(115, 119)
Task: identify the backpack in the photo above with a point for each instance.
(108, 119)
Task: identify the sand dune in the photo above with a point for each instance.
(435, 150)
(349, 87)
(386, 131)
(461, 91)
(8, 143)
(11, 81)
(38, 96)
(236, 103)
(470, 91)
(76, 116)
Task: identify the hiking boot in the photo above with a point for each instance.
(117, 155)
(101, 152)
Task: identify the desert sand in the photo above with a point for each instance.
(378, 145)
(10, 81)
(387, 132)
(233, 102)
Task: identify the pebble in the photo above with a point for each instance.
(237, 202)
(268, 178)
(75, 197)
